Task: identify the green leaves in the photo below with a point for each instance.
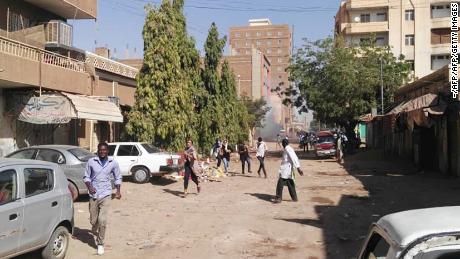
(339, 82)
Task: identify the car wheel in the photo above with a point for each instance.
(57, 245)
(140, 174)
(73, 191)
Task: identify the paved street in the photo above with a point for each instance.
(235, 218)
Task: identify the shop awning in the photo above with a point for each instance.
(94, 108)
(430, 103)
(45, 109)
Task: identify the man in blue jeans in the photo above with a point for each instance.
(97, 180)
(226, 151)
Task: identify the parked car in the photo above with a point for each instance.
(72, 160)
(143, 160)
(36, 208)
(432, 233)
(325, 144)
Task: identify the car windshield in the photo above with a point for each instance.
(81, 154)
(150, 148)
(325, 139)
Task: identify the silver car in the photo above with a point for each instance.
(72, 160)
(36, 208)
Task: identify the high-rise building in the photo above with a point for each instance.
(417, 29)
(275, 41)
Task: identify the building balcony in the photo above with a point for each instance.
(437, 23)
(69, 9)
(438, 49)
(111, 66)
(366, 4)
(361, 28)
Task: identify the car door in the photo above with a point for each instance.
(11, 211)
(126, 155)
(42, 205)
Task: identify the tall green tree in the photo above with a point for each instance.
(341, 82)
(164, 106)
(212, 120)
(257, 110)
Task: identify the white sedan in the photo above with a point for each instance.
(142, 160)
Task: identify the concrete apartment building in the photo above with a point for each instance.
(51, 92)
(418, 29)
(275, 41)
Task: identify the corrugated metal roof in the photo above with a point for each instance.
(91, 108)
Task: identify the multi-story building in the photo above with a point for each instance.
(417, 29)
(275, 41)
(252, 74)
(51, 91)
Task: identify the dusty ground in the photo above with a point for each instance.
(236, 219)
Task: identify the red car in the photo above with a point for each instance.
(325, 144)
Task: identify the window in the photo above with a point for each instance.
(269, 51)
(237, 35)
(269, 43)
(410, 15)
(440, 36)
(411, 65)
(112, 149)
(258, 43)
(381, 17)
(247, 44)
(248, 52)
(8, 186)
(248, 34)
(235, 43)
(364, 40)
(380, 41)
(18, 22)
(439, 61)
(50, 155)
(127, 150)
(410, 40)
(377, 248)
(38, 180)
(280, 42)
(150, 148)
(258, 34)
(440, 11)
(269, 33)
(280, 60)
(279, 69)
(365, 17)
(280, 51)
(280, 33)
(81, 154)
(24, 154)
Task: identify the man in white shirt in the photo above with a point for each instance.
(289, 163)
(261, 149)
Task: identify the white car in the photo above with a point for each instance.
(432, 233)
(142, 160)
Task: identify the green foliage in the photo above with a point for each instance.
(257, 110)
(340, 83)
(164, 106)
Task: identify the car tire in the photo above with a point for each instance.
(73, 191)
(140, 174)
(57, 245)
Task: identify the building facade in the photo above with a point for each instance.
(417, 29)
(51, 92)
(275, 41)
(252, 74)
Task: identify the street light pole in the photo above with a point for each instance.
(239, 85)
(381, 84)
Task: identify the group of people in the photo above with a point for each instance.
(101, 169)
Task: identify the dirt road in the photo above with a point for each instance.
(236, 219)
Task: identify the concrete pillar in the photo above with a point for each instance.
(7, 132)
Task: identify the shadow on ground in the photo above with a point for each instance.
(391, 186)
(263, 196)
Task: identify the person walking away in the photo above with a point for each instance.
(190, 157)
(261, 149)
(278, 141)
(97, 179)
(243, 150)
(339, 150)
(216, 151)
(289, 162)
(226, 151)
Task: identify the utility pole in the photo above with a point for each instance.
(381, 84)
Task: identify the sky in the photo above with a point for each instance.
(119, 23)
